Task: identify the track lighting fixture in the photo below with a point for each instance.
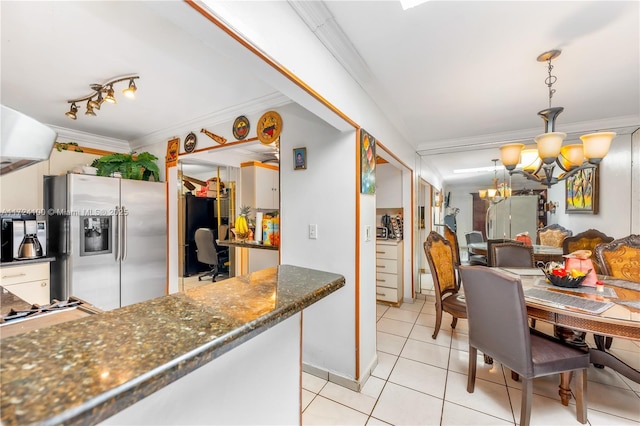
(95, 99)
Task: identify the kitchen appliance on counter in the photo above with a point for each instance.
(22, 237)
(109, 236)
(381, 233)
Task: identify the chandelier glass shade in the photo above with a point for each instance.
(538, 164)
(499, 191)
(102, 93)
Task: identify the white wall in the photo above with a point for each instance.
(323, 195)
(388, 186)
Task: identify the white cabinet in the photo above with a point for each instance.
(29, 282)
(260, 185)
(389, 271)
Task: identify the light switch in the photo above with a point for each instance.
(367, 233)
(313, 232)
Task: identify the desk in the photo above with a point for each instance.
(540, 253)
(622, 321)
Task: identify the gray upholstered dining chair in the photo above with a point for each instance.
(475, 237)
(443, 270)
(490, 244)
(498, 327)
(512, 255)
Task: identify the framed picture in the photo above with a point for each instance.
(367, 163)
(299, 158)
(581, 192)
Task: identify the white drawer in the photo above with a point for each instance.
(387, 280)
(23, 273)
(389, 266)
(384, 251)
(34, 292)
(387, 294)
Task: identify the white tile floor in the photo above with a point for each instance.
(421, 381)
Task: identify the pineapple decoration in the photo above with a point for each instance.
(242, 224)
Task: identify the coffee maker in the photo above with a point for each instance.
(22, 230)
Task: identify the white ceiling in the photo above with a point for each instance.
(450, 75)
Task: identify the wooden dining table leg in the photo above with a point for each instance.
(565, 388)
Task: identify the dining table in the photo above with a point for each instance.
(612, 311)
(540, 253)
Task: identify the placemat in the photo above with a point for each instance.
(629, 285)
(631, 303)
(608, 291)
(564, 300)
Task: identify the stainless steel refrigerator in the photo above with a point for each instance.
(109, 237)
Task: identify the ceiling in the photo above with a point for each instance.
(451, 76)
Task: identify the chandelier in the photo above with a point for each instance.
(96, 99)
(499, 190)
(538, 164)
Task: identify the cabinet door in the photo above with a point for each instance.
(34, 292)
(266, 190)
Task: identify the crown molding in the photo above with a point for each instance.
(90, 140)
(223, 116)
(620, 125)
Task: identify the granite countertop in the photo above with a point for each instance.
(84, 371)
(26, 261)
(246, 244)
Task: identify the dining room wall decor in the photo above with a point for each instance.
(581, 192)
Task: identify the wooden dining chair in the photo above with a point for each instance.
(587, 240)
(452, 237)
(498, 327)
(512, 255)
(552, 235)
(620, 258)
(442, 265)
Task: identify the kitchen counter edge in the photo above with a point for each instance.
(101, 406)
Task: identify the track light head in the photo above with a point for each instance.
(130, 91)
(72, 111)
(110, 98)
(89, 109)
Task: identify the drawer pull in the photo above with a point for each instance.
(14, 276)
(381, 281)
(380, 266)
(43, 284)
(380, 294)
(379, 252)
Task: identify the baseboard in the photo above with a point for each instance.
(346, 382)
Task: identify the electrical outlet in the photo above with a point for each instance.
(313, 232)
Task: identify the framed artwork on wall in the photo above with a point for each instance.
(299, 158)
(581, 192)
(367, 163)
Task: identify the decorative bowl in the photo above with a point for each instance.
(566, 281)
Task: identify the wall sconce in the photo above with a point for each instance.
(96, 99)
(570, 158)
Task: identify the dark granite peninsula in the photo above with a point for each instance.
(226, 352)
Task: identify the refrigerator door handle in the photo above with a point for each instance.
(124, 233)
(116, 234)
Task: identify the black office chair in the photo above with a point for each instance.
(207, 253)
(498, 327)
